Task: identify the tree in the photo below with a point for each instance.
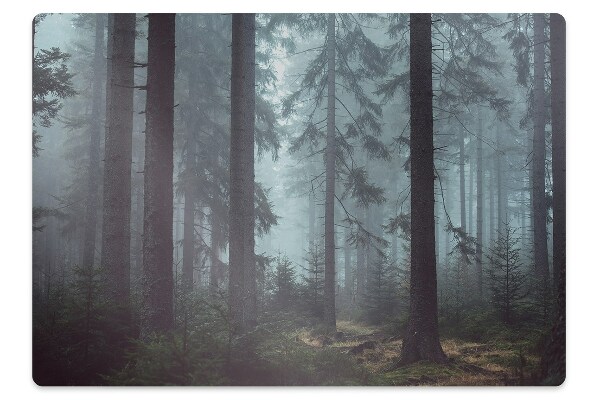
(540, 240)
(422, 341)
(242, 268)
(479, 243)
(51, 83)
(91, 212)
(554, 358)
(345, 59)
(157, 308)
(506, 278)
(117, 164)
(330, 154)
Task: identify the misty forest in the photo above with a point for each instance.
(298, 199)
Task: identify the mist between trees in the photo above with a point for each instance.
(298, 199)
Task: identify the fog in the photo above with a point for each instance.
(494, 117)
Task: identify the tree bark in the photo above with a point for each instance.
(116, 233)
(554, 359)
(91, 212)
(501, 194)
(422, 338)
(329, 284)
(479, 244)
(242, 269)
(157, 308)
(348, 282)
(471, 163)
(540, 244)
(461, 164)
(216, 274)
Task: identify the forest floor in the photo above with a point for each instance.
(471, 363)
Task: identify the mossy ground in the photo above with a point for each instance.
(471, 363)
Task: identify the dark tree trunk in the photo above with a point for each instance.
(187, 269)
(501, 198)
(116, 233)
(471, 164)
(157, 308)
(348, 283)
(461, 165)
(361, 274)
(554, 360)
(479, 244)
(311, 221)
(329, 284)
(91, 211)
(558, 63)
(422, 338)
(242, 269)
(540, 244)
(216, 275)
(492, 214)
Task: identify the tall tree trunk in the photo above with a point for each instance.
(91, 211)
(215, 264)
(242, 269)
(422, 338)
(501, 198)
(329, 284)
(540, 244)
(559, 167)
(348, 283)
(471, 164)
(157, 308)
(116, 233)
(461, 165)
(492, 214)
(361, 275)
(311, 221)
(479, 244)
(554, 361)
(187, 269)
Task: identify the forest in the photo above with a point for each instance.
(298, 199)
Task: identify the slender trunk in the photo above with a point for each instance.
(116, 233)
(91, 212)
(479, 244)
(540, 244)
(311, 221)
(329, 284)
(242, 269)
(553, 361)
(422, 338)
(347, 266)
(157, 308)
(492, 209)
(471, 163)
(215, 267)
(501, 198)
(557, 43)
(360, 267)
(187, 269)
(461, 164)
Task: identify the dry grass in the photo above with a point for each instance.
(472, 364)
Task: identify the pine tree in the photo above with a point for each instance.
(505, 276)
(115, 255)
(242, 268)
(89, 241)
(157, 308)
(540, 240)
(422, 338)
(51, 83)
